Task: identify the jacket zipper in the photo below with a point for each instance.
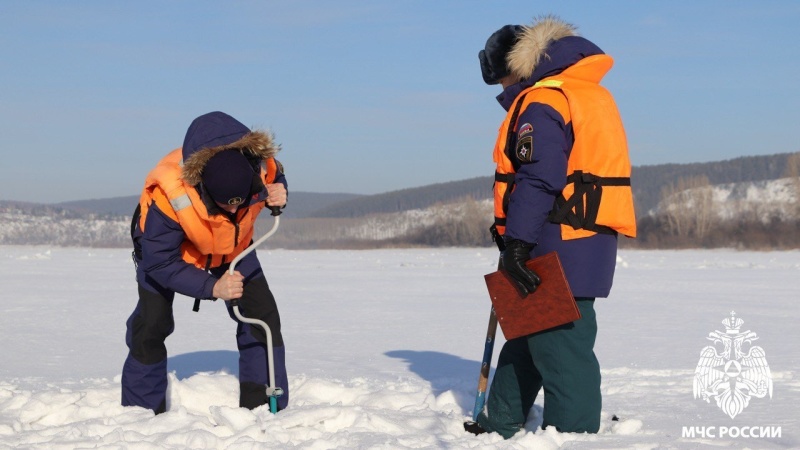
(236, 228)
(234, 220)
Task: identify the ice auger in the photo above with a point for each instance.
(273, 392)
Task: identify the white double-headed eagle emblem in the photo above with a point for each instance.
(732, 376)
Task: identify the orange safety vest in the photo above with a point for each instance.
(211, 239)
(597, 197)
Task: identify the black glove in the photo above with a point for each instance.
(514, 257)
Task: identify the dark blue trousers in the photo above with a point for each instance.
(144, 374)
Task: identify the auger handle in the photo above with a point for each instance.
(272, 391)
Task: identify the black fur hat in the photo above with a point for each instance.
(493, 58)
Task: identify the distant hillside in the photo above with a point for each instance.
(35, 224)
(451, 213)
(694, 213)
(301, 204)
(647, 181)
(306, 204)
(479, 188)
(462, 223)
(115, 206)
(764, 201)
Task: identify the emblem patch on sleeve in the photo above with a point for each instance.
(525, 149)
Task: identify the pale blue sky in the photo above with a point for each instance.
(366, 96)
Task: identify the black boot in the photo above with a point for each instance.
(252, 395)
(473, 428)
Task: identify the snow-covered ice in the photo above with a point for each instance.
(383, 350)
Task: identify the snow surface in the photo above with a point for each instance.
(383, 350)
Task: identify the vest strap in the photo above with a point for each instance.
(496, 236)
(509, 180)
(136, 255)
(579, 213)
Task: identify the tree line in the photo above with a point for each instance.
(458, 214)
(689, 217)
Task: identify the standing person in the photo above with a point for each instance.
(197, 212)
(562, 184)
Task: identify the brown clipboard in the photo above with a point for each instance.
(549, 306)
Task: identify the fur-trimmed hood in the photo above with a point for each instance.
(533, 42)
(214, 132)
(547, 47)
(544, 49)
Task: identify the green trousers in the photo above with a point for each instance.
(560, 360)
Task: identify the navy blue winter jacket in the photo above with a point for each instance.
(588, 262)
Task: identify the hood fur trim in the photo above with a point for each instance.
(532, 44)
(256, 144)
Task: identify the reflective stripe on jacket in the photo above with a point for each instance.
(598, 165)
